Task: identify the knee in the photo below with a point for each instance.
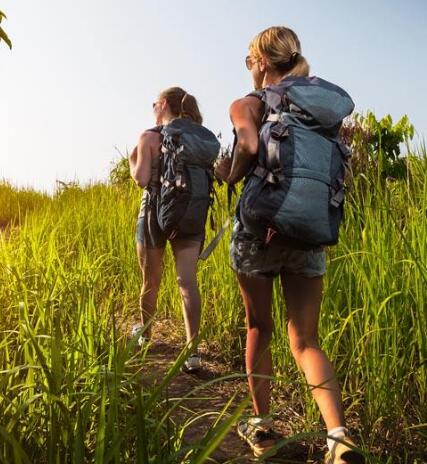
(186, 284)
(262, 329)
(151, 282)
(299, 343)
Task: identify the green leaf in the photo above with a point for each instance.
(3, 36)
(20, 457)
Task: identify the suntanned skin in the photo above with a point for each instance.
(246, 114)
(302, 295)
(186, 252)
(140, 160)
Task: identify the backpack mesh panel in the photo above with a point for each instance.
(305, 211)
(312, 151)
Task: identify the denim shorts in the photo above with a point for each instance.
(150, 235)
(252, 256)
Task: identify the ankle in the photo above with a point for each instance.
(263, 422)
(336, 433)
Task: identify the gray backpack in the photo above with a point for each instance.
(296, 190)
(186, 167)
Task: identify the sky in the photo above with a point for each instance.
(78, 86)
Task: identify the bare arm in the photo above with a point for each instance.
(141, 157)
(246, 116)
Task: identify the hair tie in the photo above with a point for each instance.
(288, 65)
(294, 57)
(182, 102)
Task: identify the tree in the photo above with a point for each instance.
(377, 142)
(3, 35)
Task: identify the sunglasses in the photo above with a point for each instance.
(249, 61)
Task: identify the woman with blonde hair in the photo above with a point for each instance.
(154, 164)
(277, 67)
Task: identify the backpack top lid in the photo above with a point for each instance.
(326, 103)
(200, 145)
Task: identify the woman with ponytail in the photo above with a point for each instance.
(172, 105)
(274, 56)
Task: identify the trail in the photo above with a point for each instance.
(166, 346)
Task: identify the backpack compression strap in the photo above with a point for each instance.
(169, 145)
(273, 146)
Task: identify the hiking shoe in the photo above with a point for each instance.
(260, 439)
(343, 453)
(137, 330)
(192, 364)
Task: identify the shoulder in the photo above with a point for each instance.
(150, 136)
(250, 100)
(250, 107)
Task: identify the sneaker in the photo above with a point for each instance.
(343, 453)
(192, 364)
(259, 438)
(137, 330)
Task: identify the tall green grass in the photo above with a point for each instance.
(16, 203)
(70, 384)
(374, 319)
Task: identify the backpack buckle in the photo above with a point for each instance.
(179, 182)
(279, 131)
(338, 197)
(272, 177)
(275, 176)
(273, 117)
(344, 149)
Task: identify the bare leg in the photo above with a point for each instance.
(186, 254)
(303, 299)
(257, 296)
(151, 264)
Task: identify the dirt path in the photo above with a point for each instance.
(212, 398)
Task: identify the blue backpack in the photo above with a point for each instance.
(186, 168)
(296, 190)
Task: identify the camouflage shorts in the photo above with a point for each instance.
(251, 256)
